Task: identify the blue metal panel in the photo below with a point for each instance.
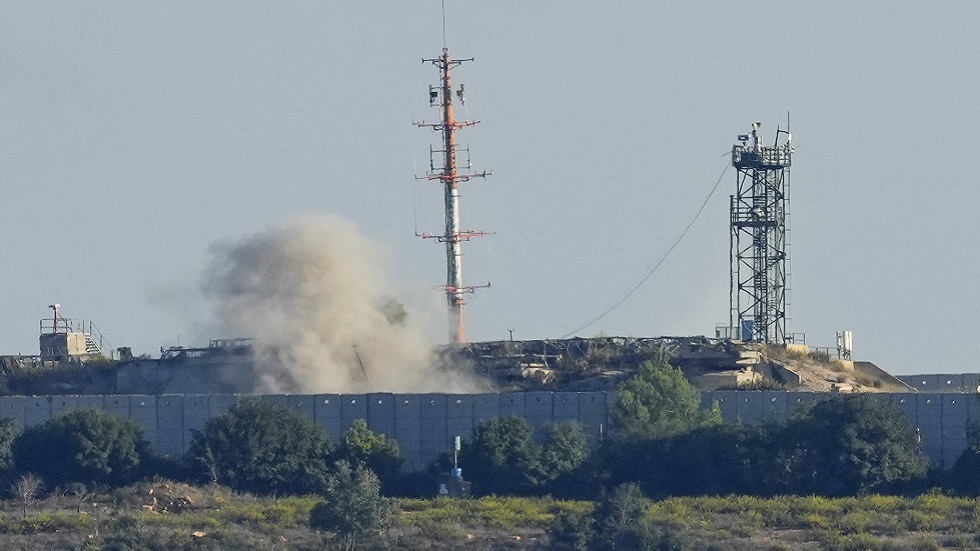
(37, 409)
(485, 407)
(460, 406)
(539, 408)
(435, 430)
(929, 425)
(143, 410)
(775, 406)
(749, 407)
(459, 415)
(707, 399)
(610, 405)
(433, 410)
(196, 415)
(327, 414)
(117, 404)
(304, 404)
(512, 403)
(592, 415)
(727, 404)
(973, 408)
(929, 412)
(91, 402)
(795, 401)
(952, 383)
(565, 406)
(381, 413)
(905, 403)
(219, 404)
(927, 383)
(408, 430)
(352, 407)
(170, 425)
(61, 404)
(971, 382)
(12, 407)
(281, 400)
(955, 418)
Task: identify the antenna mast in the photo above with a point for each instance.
(759, 250)
(445, 167)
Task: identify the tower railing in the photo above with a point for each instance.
(95, 342)
(744, 156)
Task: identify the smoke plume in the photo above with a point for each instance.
(313, 297)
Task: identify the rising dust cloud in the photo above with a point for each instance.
(313, 297)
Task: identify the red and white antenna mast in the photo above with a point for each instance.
(445, 166)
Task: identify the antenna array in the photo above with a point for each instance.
(445, 167)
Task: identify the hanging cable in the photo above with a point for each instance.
(650, 271)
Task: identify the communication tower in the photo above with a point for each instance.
(759, 250)
(450, 165)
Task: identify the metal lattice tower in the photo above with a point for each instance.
(447, 166)
(759, 250)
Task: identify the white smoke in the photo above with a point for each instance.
(313, 296)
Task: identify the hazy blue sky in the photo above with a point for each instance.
(134, 134)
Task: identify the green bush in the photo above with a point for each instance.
(8, 433)
(659, 401)
(90, 446)
(363, 448)
(262, 448)
(503, 458)
(844, 446)
(354, 507)
(573, 531)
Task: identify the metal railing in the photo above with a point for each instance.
(763, 157)
(59, 325)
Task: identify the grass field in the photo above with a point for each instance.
(172, 516)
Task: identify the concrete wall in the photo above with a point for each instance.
(941, 383)
(425, 424)
(941, 418)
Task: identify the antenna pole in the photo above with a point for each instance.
(448, 173)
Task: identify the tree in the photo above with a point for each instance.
(503, 458)
(619, 519)
(363, 448)
(8, 433)
(499, 455)
(262, 448)
(354, 507)
(714, 460)
(26, 488)
(572, 530)
(847, 445)
(657, 402)
(564, 449)
(90, 446)
(964, 476)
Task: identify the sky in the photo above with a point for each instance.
(134, 135)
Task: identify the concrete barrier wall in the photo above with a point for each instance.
(941, 419)
(943, 383)
(425, 424)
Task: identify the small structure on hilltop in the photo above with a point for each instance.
(66, 339)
